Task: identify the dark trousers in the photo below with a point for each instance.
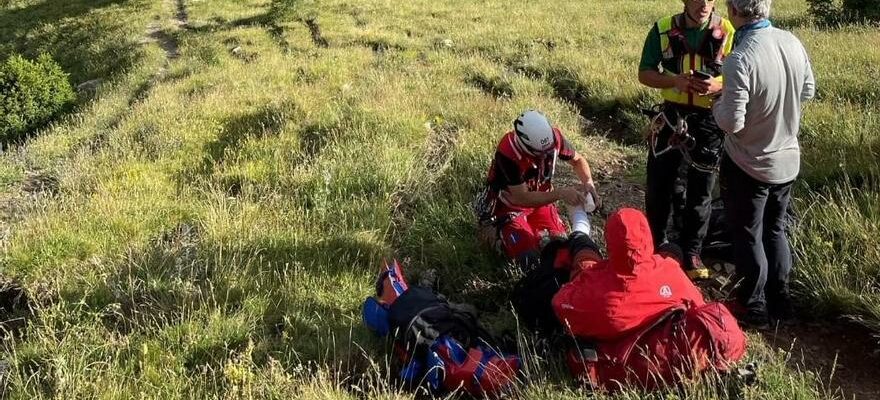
(756, 216)
(662, 172)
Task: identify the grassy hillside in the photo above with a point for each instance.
(209, 223)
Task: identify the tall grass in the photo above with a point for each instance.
(209, 224)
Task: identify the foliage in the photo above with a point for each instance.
(31, 93)
(868, 9)
(214, 220)
(835, 12)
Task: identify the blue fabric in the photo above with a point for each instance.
(436, 368)
(376, 316)
(456, 352)
(488, 355)
(764, 23)
(412, 371)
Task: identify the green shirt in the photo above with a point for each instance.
(652, 54)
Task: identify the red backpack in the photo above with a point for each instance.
(680, 344)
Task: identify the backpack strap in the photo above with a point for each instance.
(673, 312)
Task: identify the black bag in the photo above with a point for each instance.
(419, 316)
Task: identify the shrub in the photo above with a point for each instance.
(867, 9)
(31, 93)
(833, 12)
(824, 11)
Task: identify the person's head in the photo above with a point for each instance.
(742, 12)
(699, 11)
(534, 133)
(629, 241)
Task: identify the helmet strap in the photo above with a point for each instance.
(522, 146)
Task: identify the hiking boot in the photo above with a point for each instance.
(747, 318)
(695, 269)
(754, 319)
(782, 311)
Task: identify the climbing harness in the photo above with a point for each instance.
(680, 139)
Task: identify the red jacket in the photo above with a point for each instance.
(608, 298)
(511, 166)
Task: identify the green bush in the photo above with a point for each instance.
(836, 11)
(31, 93)
(867, 9)
(824, 11)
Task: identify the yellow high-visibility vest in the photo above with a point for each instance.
(719, 34)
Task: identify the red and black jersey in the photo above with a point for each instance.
(512, 166)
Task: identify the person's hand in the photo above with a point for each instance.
(683, 83)
(708, 87)
(571, 196)
(590, 187)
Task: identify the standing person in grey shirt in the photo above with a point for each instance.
(767, 77)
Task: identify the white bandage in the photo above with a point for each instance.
(579, 218)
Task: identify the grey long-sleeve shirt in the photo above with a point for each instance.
(767, 77)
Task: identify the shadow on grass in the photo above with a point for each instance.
(35, 29)
(260, 123)
(832, 164)
(617, 117)
(491, 85)
(179, 279)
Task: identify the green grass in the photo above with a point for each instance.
(208, 226)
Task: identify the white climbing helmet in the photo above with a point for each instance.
(534, 133)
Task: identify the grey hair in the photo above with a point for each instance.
(752, 9)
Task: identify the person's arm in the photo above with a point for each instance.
(521, 196)
(809, 89)
(657, 80)
(708, 87)
(730, 109)
(582, 170)
(518, 193)
(649, 66)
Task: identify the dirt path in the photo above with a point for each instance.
(842, 351)
(165, 39)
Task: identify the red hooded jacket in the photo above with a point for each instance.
(608, 298)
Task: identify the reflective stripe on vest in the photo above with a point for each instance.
(690, 61)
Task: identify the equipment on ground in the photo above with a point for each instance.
(438, 344)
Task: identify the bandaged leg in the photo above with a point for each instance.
(580, 220)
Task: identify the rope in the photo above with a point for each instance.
(680, 138)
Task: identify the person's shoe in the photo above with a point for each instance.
(696, 270)
(754, 319)
(747, 318)
(782, 311)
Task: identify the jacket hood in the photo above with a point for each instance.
(629, 242)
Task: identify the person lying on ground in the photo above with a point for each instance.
(518, 201)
